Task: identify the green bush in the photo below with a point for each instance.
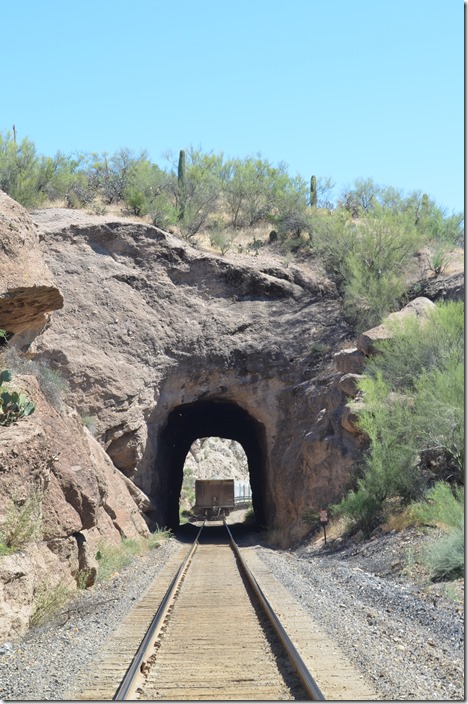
(13, 405)
(415, 348)
(442, 506)
(113, 558)
(90, 423)
(52, 383)
(49, 600)
(136, 201)
(20, 170)
(445, 558)
(413, 394)
(22, 523)
(362, 507)
(222, 239)
(376, 266)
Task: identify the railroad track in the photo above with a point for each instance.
(211, 639)
(216, 637)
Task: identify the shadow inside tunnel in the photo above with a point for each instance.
(214, 532)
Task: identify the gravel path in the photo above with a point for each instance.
(408, 641)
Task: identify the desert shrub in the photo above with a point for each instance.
(442, 507)
(157, 537)
(136, 201)
(362, 507)
(49, 600)
(52, 383)
(68, 180)
(445, 558)
(13, 405)
(367, 245)
(222, 238)
(438, 260)
(90, 423)
(201, 193)
(413, 404)
(375, 267)
(366, 197)
(150, 191)
(22, 523)
(415, 347)
(109, 176)
(255, 191)
(20, 169)
(113, 558)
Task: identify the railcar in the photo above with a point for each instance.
(218, 497)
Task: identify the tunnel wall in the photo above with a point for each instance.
(305, 452)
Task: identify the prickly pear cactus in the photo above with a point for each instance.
(13, 405)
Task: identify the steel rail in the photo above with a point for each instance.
(306, 678)
(130, 683)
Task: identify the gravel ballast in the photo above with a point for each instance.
(409, 646)
(408, 641)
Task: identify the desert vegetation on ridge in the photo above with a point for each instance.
(366, 239)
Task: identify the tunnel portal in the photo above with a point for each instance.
(203, 419)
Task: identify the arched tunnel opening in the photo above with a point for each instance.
(202, 419)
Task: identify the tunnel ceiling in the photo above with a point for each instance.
(199, 420)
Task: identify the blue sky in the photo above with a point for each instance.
(338, 88)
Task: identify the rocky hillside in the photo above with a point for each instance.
(134, 345)
(57, 484)
(217, 458)
(151, 325)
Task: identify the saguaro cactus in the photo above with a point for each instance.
(425, 204)
(182, 183)
(313, 192)
(423, 210)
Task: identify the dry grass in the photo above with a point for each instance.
(242, 238)
(456, 262)
(399, 520)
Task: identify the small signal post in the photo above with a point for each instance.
(323, 522)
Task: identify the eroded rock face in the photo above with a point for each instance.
(60, 494)
(77, 495)
(150, 325)
(28, 292)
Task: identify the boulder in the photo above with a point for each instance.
(28, 292)
(367, 343)
(350, 360)
(348, 384)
